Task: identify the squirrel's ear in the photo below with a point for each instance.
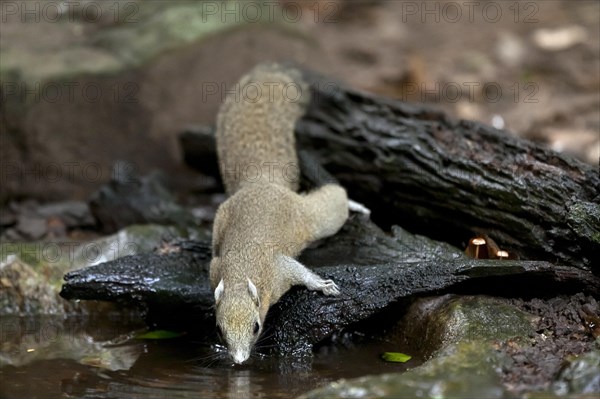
(253, 292)
(219, 291)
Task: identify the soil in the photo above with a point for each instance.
(563, 332)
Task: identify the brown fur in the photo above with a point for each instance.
(264, 223)
(255, 129)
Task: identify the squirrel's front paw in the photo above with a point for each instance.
(358, 207)
(328, 287)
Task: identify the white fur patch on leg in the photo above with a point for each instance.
(358, 207)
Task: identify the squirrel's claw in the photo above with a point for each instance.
(328, 287)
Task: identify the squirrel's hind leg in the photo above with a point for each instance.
(325, 210)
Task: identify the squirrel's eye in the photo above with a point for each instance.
(256, 327)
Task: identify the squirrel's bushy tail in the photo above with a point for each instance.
(255, 128)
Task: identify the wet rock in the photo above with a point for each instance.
(32, 272)
(462, 336)
(463, 371)
(450, 319)
(23, 291)
(128, 199)
(581, 375)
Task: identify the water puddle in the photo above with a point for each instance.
(100, 358)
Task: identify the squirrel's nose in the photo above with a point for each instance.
(239, 357)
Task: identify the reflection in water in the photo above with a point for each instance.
(27, 340)
(238, 386)
(98, 359)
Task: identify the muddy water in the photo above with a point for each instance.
(85, 358)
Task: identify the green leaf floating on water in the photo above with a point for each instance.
(159, 334)
(396, 357)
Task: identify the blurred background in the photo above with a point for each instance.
(87, 83)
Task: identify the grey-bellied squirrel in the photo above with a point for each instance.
(264, 224)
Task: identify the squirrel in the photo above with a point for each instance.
(265, 223)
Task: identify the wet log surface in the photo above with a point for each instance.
(446, 179)
(374, 270)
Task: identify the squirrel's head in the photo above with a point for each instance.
(238, 318)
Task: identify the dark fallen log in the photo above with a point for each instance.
(170, 289)
(434, 173)
(446, 179)
(374, 270)
(131, 199)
